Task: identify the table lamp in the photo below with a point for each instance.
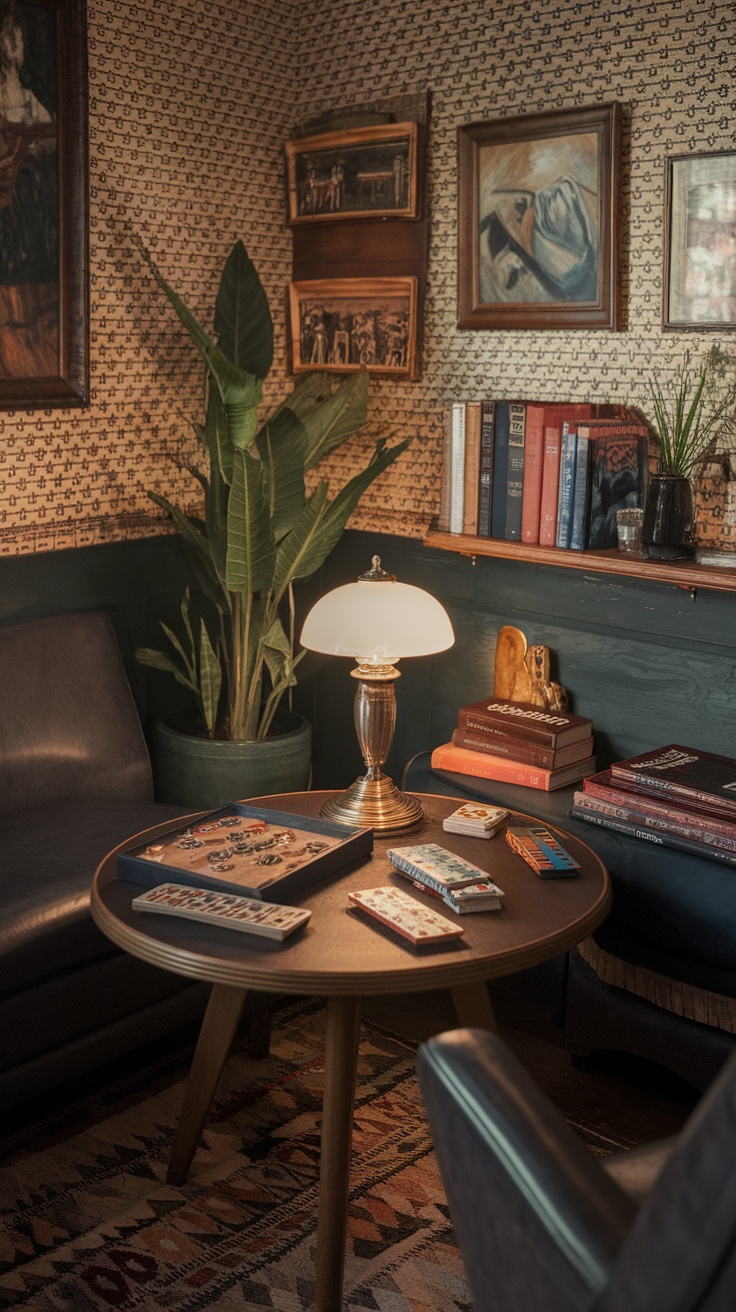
(376, 620)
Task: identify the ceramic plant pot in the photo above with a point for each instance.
(205, 772)
(667, 531)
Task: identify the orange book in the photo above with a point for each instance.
(554, 417)
(460, 760)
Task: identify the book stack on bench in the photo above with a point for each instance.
(676, 796)
(517, 743)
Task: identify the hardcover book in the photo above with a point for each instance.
(686, 773)
(618, 475)
(520, 719)
(485, 477)
(580, 518)
(521, 749)
(554, 417)
(684, 811)
(662, 839)
(567, 484)
(532, 489)
(500, 470)
(637, 813)
(457, 485)
(459, 760)
(515, 472)
(249, 850)
(472, 467)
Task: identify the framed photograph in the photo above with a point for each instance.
(43, 205)
(368, 173)
(700, 241)
(344, 324)
(538, 220)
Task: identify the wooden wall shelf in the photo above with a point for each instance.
(682, 574)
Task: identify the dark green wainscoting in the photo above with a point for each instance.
(646, 662)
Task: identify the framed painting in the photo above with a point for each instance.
(538, 220)
(700, 241)
(345, 324)
(367, 173)
(43, 205)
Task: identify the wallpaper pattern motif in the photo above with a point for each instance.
(190, 104)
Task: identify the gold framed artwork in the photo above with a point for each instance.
(700, 241)
(366, 173)
(44, 346)
(538, 234)
(345, 324)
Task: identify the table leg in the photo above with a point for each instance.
(473, 1006)
(341, 1064)
(219, 1025)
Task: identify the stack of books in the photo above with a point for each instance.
(516, 743)
(538, 472)
(675, 796)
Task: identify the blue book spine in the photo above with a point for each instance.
(500, 470)
(515, 472)
(581, 496)
(567, 485)
(486, 469)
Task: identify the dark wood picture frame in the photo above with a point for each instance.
(44, 312)
(364, 173)
(538, 232)
(346, 324)
(699, 217)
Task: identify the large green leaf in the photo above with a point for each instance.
(242, 316)
(297, 543)
(308, 393)
(197, 549)
(217, 436)
(337, 418)
(158, 660)
(210, 680)
(328, 530)
(282, 444)
(250, 541)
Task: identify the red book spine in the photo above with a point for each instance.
(602, 786)
(693, 828)
(550, 484)
(687, 796)
(515, 748)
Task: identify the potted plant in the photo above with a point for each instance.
(686, 417)
(260, 531)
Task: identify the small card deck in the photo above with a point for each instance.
(475, 818)
(542, 851)
(404, 915)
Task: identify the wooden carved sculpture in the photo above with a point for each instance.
(521, 673)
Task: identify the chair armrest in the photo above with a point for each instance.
(536, 1217)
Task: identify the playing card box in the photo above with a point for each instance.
(479, 819)
(258, 853)
(542, 851)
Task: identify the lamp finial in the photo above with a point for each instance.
(375, 574)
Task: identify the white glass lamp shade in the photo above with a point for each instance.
(377, 623)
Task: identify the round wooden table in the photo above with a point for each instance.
(343, 956)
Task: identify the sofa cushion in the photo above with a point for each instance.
(49, 856)
(672, 913)
(68, 722)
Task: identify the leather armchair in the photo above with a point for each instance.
(544, 1226)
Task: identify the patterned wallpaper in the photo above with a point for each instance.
(190, 105)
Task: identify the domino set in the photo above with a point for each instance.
(227, 910)
(405, 916)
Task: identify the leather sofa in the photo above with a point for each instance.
(75, 780)
(658, 977)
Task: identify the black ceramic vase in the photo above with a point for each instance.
(667, 531)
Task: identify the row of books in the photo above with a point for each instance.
(553, 474)
(516, 743)
(676, 796)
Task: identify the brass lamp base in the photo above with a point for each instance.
(375, 801)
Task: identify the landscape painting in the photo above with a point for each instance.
(348, 324)
(364, 173)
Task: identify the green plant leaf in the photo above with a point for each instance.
(210, 680)
(250, 541)
(309, 392)
(196, 548)
(332, 523)
(282, 445)
(298, 542)
(158, 660)
(217, 436)
(242, 316)
(334, 420)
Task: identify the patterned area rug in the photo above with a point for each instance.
(89, 1223)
